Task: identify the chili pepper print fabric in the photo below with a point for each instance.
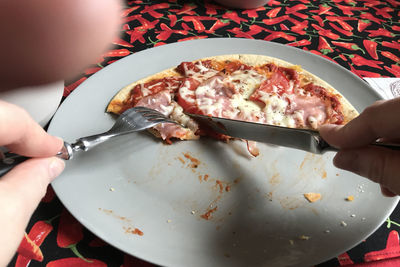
(362, 36)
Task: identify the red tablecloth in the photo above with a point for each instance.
(362, 36)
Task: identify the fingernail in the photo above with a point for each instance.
(329, 126)
(60, 139)
(346, 160)
(56, 167)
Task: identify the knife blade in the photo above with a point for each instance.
(304, 139)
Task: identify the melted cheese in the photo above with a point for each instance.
(180, 117)
(145, 91)
(275, 110)
(313, 109)
(246, 81)
(248, 110)
(166, 109)
(209, 89)
(211, 100)
(201, 75)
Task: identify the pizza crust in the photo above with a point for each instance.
(115, 104)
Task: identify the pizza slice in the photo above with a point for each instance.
(252, 88)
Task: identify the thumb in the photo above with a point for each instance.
(29, 180)
(21, 190)
(380, 165)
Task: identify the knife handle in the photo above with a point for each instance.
(391, 146)
(324, 146)
(9, 161)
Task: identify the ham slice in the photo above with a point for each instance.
(162, 102)
(213, 97)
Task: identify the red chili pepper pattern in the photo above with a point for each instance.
(37, 234)
(70, 233)
(69, 230)
(363, 24)
(323, 46)
(370, 46)
(76, 262)
(360, 35)
(391, 56)
(360, 61)
(342, 21)
(28, 249)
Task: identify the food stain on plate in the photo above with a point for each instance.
(208, 214)
(129, 228)
(135, 231)
(273, 173)
(274, 179)
(111, 212)
(312, 163)
(221, 188)
(269, 195)
(291, 203)
(161, 163)
(218, 186)
(189, 161)
(194, 162)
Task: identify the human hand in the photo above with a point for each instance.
(381, 165)
(23, 187)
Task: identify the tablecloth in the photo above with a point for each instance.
(362, 36)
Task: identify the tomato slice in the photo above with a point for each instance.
(188, 68)
(185, 67)
(186, 95)
(233, 66)
(153, 87)
(335, 116)
(278, 83)
(290, 74)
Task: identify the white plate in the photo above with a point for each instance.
(137, 182)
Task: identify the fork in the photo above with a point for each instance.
(132, 120)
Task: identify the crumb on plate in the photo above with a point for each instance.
(304, 237)
(312, 197)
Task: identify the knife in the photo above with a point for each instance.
(304, 139)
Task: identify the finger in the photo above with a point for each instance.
(22, 135)
(378, 164)
(21, 190)
(378, 120)
(51, 40)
